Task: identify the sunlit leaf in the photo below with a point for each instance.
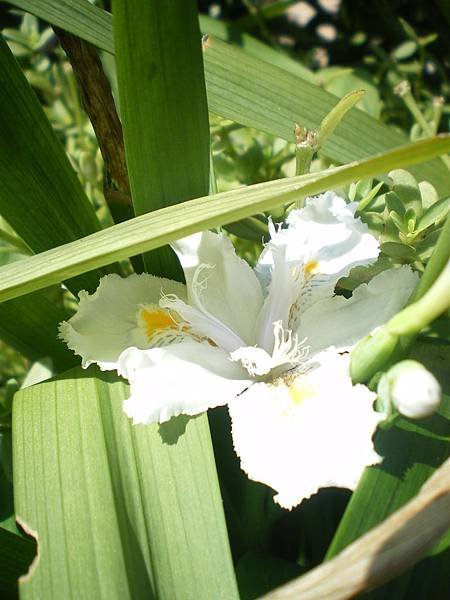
(163, 226)
(120, 511)
(163, 109)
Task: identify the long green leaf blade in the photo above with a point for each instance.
(165, 225)
(120, 511)
(163, 107)
(253, 92)
(40, 195)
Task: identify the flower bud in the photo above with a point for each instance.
(411, 389)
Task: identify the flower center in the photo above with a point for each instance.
(299, 393)
(161, 326)
(289, 354)
(156, 319)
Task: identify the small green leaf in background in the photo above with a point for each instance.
(121, 511)
(163, 107)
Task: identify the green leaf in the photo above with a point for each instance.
(259, 573)
(253, 92)
(30, 325)
(412, 451)
(40, 196)
(433, 215)
(165, 225)
(407, 190)
(398, 250)
(228, 33)
(259, 95)
(337, 113)
(120, 511)
(405, 50)
(163, 108)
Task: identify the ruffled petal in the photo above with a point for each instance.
(312, 431)
(342, 322)
(220, 283)
(323, 242)
(186, 378)
(107, 321)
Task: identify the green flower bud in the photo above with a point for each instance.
(410, 389)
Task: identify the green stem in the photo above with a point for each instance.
(305, 148)
(437, 262)
(438, 105)
(411, 104)
(303, 159)
(375, 352)
(78, 113)
(212, 175)
(412, 319)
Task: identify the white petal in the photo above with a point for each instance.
(327, 232)
(220, 283)
(204, 324)
(186, 378)
(342, 322)
(106, 321)
(283, 290)
(255, 360)
(325, 241)
(314, 433)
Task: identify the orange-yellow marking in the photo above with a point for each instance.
(157, 320)
(311, 267)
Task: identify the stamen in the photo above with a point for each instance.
(288, 349)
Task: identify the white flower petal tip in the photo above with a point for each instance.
(185, 378)
(302, 263)
(307, 431)
(106, 322)
(327, 230)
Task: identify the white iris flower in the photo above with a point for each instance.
(270, 342)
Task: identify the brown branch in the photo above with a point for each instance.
(98, 102)
(384, 552)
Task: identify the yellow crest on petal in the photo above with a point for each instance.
(311, 267)
(155, 319)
